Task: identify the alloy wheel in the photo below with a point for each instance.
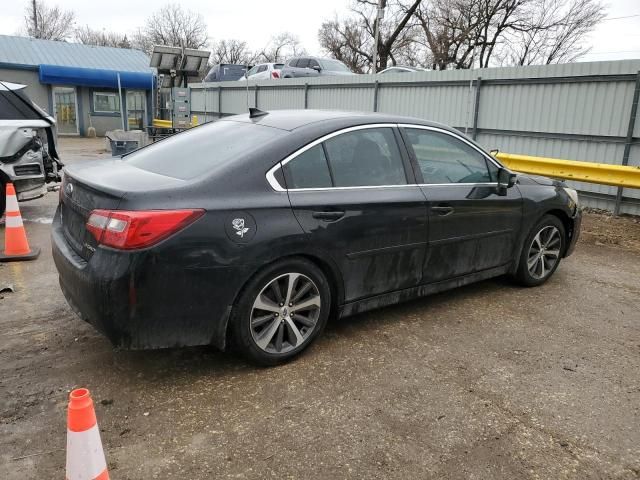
(285, 313)
(544, 252)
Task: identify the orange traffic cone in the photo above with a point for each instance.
(16, 246)
(85, 457)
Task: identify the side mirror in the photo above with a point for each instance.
(316, 68)
(506, 179)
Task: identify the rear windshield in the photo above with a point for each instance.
(278, 66)
(202, 150)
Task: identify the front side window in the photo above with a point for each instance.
(253, 71)
(368, 157)
(303, 63)
(445, 159)
(313, 63)
(106, 102)
(308, 170)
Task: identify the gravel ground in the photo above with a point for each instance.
(487, 381)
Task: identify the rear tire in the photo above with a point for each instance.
(280, 312)
(542, 252)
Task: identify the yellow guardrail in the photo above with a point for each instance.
(158, 123)
(601, 173)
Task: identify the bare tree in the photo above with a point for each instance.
(348, 42)
(444, 34)
(352, 39)
(461, 33)
(553, 32)
(465, 33)
(49, 23)
(88, 36)
(232, 51)
(281, 47)
(173, 26)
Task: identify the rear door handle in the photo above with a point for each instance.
(328, 216)
(442, 210)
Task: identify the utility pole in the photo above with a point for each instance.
(379, 16)
(35, 19)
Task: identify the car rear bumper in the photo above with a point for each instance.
(143, 300)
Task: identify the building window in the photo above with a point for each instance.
(136, 109)
(106, 102)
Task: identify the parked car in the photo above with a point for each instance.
(263, 71)
(354, 212)
(314, 67)
(402, 69)
(225, 72)
(28, 155)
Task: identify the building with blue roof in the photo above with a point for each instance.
(78, 84)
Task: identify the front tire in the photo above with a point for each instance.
(542, 251)
(281, 311)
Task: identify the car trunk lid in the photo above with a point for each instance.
(100, 185)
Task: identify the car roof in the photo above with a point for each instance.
(293, 119)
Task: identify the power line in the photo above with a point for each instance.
(620, 18)
(618, 51)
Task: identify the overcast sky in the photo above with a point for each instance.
(257, 20)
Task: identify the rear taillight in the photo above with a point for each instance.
(128, 230)
(275, 74)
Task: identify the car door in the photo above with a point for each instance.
(301, 69)
(471, 227)
(353, 192)
(313, 68)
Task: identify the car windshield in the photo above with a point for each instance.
(202, 150)
(334, 66)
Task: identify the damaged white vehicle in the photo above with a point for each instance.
(28, 156)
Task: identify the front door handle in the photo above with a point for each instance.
(328, 216)
(442, 210)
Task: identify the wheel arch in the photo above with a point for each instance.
(328, 268)
(567, 222)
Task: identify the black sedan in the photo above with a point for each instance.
(251, 231)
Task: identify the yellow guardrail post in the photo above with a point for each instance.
(601, 173)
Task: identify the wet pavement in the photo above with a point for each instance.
(486, 381)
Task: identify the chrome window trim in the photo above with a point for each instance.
(271, 173)
(271, 179)
(355, 187)
(478, 184)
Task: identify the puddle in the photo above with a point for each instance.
(44, 220)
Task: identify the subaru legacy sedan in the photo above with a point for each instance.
(253, 230)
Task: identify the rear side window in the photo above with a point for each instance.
(293, 62)
(445, 159)
(202, 150)
(262, 68)
(308, 170)
(368, 157)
